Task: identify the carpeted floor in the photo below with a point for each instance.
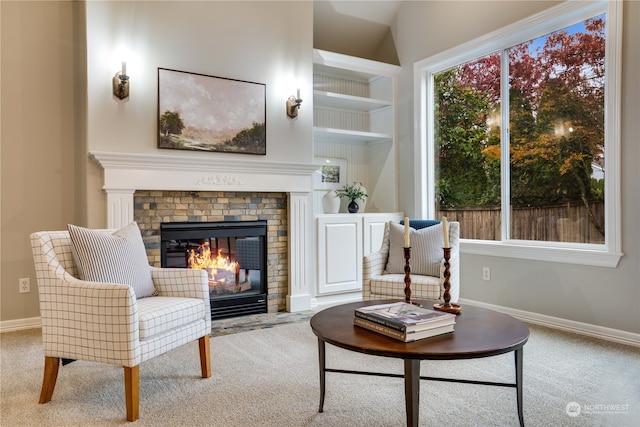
(269, 378)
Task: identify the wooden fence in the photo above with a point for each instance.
(558, 223)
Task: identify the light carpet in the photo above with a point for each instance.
(269, 377)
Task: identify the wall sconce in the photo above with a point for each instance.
(293, 105)
(121, 83)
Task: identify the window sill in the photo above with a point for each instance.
(590, 257)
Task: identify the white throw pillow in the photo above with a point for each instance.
(426, 250)
(112, 258)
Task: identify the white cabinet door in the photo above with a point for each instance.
(342, 242)
(373, 225)
(339, 239)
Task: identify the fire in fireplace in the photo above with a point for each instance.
(234, 255)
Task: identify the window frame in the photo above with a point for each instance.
(545, 22)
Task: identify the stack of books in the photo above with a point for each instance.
(403, 321)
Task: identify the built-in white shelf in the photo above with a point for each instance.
(348, 102)
(355, 120)
(343, 135)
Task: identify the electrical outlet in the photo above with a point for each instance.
(24, 285)
(486, 273)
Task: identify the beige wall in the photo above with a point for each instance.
(608, 297)
(40, 176)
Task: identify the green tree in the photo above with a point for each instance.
(533, 173)
(171, 123)
(251, 139)
(461, 137)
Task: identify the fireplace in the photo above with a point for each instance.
(234, 255)
(127, 173)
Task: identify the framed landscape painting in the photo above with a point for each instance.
(207, 113)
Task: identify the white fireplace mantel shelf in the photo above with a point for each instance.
(139, 171)
(124, 173)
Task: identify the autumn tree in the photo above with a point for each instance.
(556, 119)
(569, 122)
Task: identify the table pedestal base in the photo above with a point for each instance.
(412, 391)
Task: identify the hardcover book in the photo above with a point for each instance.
(405, 317)
(399, 335)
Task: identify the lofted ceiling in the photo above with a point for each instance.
(356, 27)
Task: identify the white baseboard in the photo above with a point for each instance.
(298, 302)
(609, 334)
(321, 302)
(19, 324)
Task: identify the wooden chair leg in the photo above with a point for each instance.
(51, 365)
(132, 392)
(205, 356)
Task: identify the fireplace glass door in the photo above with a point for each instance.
(234, 255)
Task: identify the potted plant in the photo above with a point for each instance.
(352, 193)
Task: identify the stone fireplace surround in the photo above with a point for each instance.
(151, 208)
(124, 173)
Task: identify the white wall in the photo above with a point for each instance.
(608, 297)
(263, 42)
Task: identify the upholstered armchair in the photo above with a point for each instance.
(106, 321)
(383, 271)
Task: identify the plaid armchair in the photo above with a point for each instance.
(379, 283)
(105, 322)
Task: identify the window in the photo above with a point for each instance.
(519, 141)
(467, 146)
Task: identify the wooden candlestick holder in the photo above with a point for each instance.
(446, 305)
(407, 275)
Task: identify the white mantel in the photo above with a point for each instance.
(124, 173)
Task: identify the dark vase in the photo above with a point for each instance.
(353, 207)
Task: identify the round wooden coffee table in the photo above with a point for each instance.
(478, 333)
